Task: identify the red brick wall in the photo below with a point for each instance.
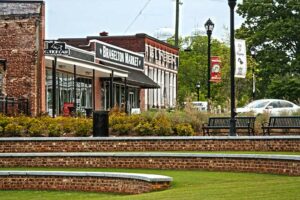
(91, 184)
(287, 167)
(90, 145)
(21, 44)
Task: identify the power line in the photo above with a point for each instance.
(139, 14)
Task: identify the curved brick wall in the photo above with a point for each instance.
(110, 144)
(83, 181)
(275, 164)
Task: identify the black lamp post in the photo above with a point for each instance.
(209, 26)
(232, 4)
(198, 90)
(253, 52)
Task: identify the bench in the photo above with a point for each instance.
(282, 122)
(215, 123)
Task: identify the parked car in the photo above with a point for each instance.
(272, 106)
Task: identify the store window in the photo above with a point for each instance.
(65, 92)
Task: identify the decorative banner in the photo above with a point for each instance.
(215, 71)
(240, 59)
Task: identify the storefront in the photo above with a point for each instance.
(77, 82)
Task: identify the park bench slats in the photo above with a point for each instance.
(224, 123)
(282, 122)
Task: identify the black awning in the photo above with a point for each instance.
(138, 78)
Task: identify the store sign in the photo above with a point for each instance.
(240, 59)
(119, 56)
(54, 48)
(215, 71)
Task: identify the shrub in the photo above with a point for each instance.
(122, 128)
(13, 130)
(83, 127)
(162, 125)
(37, 129)
(54, 130)
(144, 128)
(184, 130)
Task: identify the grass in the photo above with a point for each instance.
(187, 185)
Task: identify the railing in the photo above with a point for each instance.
(12, 106)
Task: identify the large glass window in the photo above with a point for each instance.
(65, 92)
(119, 96)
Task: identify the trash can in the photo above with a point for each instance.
(100, 124)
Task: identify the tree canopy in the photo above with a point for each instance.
(273, 27)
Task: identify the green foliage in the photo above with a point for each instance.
(144, 129)
(184, 130)
(37, 129)
(54, 130)
(83, 127)
(13, 130)
(162, 125)
(274, 29)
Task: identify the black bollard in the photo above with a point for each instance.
(100, 124)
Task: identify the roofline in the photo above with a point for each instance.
(138, 35)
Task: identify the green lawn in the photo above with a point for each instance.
(187, 185)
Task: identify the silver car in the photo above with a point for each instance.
(272, 106)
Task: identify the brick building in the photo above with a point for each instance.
(98, 73)
(161, 65)
(22, 31)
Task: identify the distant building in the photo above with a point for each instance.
(161, 65)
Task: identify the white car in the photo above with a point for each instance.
(272, 106)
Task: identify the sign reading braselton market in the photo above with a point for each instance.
(111, 54)
(54, 48)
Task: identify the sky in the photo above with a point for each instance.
(81, 18)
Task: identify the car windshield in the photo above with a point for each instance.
(257, 104)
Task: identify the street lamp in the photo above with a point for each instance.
(232, 4)
(209, 26)
(198, 90)
(253, 52)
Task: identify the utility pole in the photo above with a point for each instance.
(178, 3)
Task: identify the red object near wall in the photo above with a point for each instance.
(67, 107)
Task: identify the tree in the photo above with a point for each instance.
(273, 27)
(193, 69)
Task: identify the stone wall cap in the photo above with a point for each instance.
(29, 139)
(155, 154)
(144, 177)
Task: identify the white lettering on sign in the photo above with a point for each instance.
(113, 54)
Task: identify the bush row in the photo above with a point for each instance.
(23, 126)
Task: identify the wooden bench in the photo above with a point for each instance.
(282, 122)
(215, 123)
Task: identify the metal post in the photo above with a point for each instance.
(208, 70)
(75, 90)
(94, 93)
(198, 93)
(126, 96)
(232, 4)
(54, 63)
(111, 89)
(177, 23)
(253, 83)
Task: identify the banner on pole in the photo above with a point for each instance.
(215, 71)
(240, 59)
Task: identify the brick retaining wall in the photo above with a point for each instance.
(275, 164)
(242, 143)
(91, 182)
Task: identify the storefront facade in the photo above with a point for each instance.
(161, 62)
